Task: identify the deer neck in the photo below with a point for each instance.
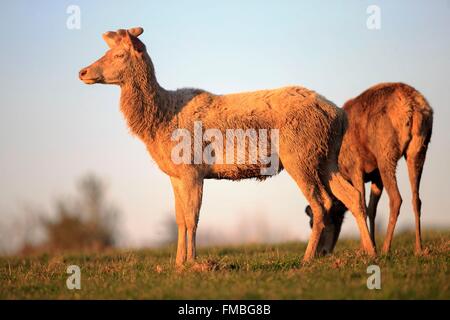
(141, 101)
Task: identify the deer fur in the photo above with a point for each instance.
(310, 134)
(386, 122)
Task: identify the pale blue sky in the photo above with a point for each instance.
(53, 128)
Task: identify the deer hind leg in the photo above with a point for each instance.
(415, 159)
(188, 195)
(387, 172)
(352, 199)
(315, 195)
(376, 189)
(319, 200)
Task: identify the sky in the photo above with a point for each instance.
(54, 129)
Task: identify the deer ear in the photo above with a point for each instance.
(110, 38)
(132, 41)
(136, 32)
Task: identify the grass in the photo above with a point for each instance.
(243, 272)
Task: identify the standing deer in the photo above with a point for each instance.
(386, 122)
(310, 134)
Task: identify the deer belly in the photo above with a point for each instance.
(243, 171)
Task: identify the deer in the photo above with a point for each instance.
(385, 123)
(310, 131)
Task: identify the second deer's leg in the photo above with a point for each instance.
(376, 189)
(395, 201)
(415, 159)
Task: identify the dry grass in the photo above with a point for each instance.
(243, 272)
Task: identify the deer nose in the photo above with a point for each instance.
(83, 73)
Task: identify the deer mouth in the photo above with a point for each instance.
(90, 81)
(89, 78)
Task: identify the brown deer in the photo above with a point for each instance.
(386, 122)
(310, 134)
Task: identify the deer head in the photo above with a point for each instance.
(333, 223)
(117, 64)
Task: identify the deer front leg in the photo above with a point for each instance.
(194, 191)
(189, 189)
(179, 211)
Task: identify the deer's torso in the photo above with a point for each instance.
(260, 112)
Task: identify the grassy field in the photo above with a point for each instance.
(243, 272)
